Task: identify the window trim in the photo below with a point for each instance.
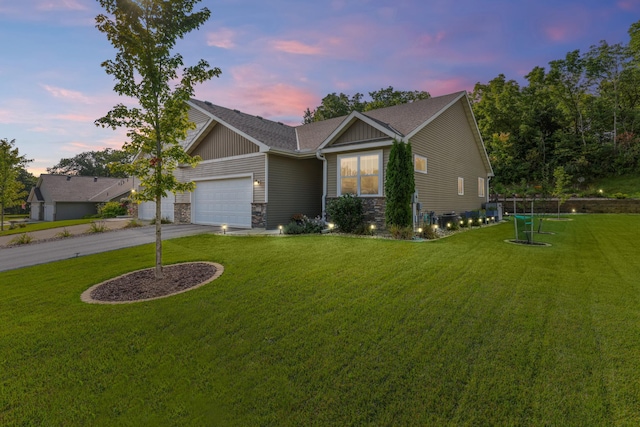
(481, 187)
(357, 155)
(460, 186)
(426, 164)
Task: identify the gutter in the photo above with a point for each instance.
(321, 156)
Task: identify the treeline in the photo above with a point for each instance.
(581, 114)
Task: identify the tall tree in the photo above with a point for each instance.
(389, 97)
(12, 191)
(334, 105)
(93, 163)
(399, 185)
(144, 33)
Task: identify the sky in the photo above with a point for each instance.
(279, 57)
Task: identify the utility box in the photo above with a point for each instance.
(494, 209)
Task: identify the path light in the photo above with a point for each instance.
(419, 230)
(470, 221)
(493, 219)
(601, 191)
(373, 227)
(435, 227)
(224, 228)
(331, 225)
(573, 210)
(280, 228)
(448, 225)
(461, 222)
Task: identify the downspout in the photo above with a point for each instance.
(320, 156)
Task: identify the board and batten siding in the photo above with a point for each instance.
(332, 168)
(222, 142)
(225, 168)
(359, 131)
(295, 186)
(449, 145)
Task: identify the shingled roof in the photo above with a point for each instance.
(270, 133)
(63, 188)
(401, 119)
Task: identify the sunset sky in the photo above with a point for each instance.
(279, 57)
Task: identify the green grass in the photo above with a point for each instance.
(627, 184)
(327, 330)
(44, 226)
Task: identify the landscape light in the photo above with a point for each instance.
(280, 228)
(419, 230)
(331, 225)
(224, 228)
(448, 225)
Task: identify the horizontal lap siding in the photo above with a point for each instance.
(220, 168)
(359, 131)
(450, 148)
(295, 186)
(222, 142)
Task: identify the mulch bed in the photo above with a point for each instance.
(142, 285)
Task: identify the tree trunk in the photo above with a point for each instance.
(158, 273)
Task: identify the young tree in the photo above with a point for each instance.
(12, 190)
(144, 33)
(399, 185)
(560, 189)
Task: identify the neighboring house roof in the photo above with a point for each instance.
(63, 188)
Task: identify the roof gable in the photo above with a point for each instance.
(266, 134)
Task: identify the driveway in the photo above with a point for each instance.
(39, 253)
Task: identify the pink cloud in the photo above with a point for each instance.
(70, 95)
(629, 5)
(224, 38)
(557, 34)
(61, 5)
(74, 118)
(443, 86)
(296, 47)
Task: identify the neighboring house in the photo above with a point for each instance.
(258, 173)
(59, 197)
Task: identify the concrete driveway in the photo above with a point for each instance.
(55, 250)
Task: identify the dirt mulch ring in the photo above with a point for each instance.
(142, 285)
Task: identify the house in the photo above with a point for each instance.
(258, 173)
(59, 197)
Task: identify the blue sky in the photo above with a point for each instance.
(279, 57)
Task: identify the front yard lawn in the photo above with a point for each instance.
(326, 330)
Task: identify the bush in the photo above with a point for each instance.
(134, 224)
(112, 209)
(347, 213)
(97, 227)
(401, 233)
(22, 239)
(429, 232)
(620, 196)
(163, 220)
(300, 224)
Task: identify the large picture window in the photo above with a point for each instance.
(359, 174)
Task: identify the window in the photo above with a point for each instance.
(480, 187)
(419, 163)
(460, 186)
(360, 174)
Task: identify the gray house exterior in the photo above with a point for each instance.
(60, 197)
(257, 173)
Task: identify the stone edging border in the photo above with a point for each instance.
(86, 295)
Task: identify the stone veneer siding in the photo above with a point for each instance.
(182, 213)
(133, 209)
(373, 208)
(258, 215)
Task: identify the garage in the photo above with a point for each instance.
(147, 210)
(223, 201)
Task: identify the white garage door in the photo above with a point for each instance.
(223, 201)
(147, 210)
